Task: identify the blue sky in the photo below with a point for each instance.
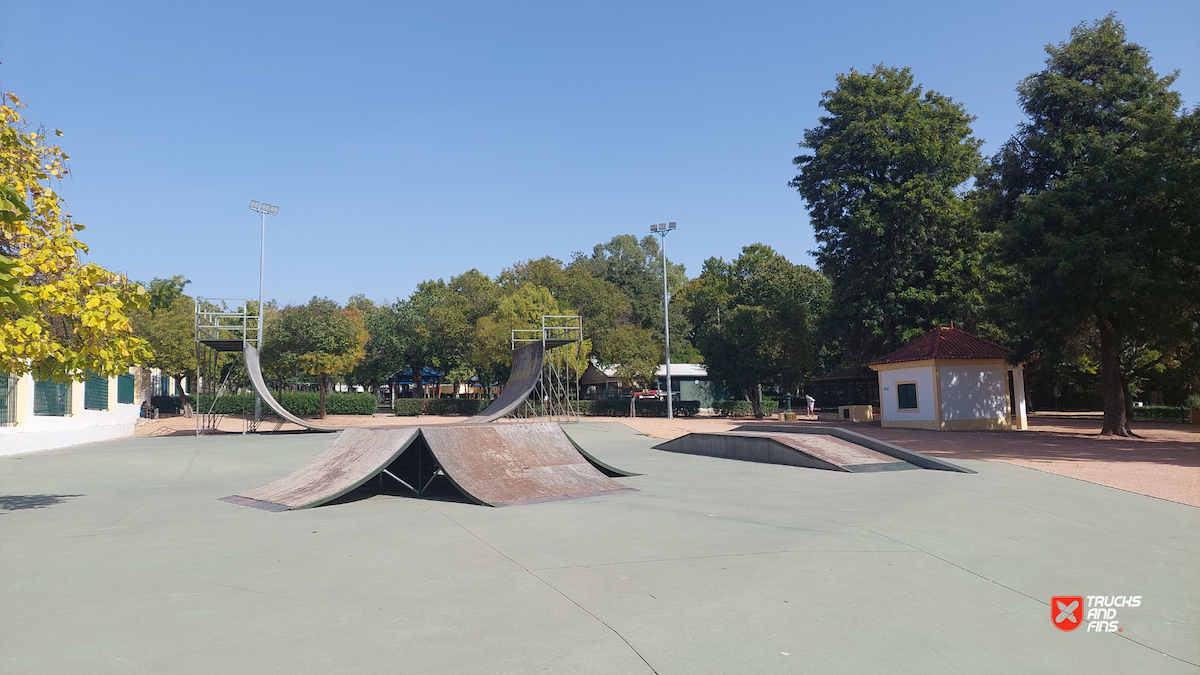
(411, 141)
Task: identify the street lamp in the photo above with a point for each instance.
(661, 229)
(264, 209)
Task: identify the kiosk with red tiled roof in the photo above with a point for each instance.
(949, 379)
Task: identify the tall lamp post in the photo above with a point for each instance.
(264, 209)
(661, 229)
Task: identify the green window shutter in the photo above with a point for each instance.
(125, 388)
(52, 398)
(95, 393)
(8, 399)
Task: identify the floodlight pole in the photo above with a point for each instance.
(661, 229)
(263, 210)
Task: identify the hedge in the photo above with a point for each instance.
(645, 408)
(743, 408)
(1162, 412)
(300, 403)
(411, 407)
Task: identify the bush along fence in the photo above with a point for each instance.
(1166, 413)
(411, 407)
(299, 403)
(743, 408)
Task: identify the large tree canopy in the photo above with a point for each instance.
(882, 185)
(755, 320)
(1095, 200)
(60, 318)
(321, 337)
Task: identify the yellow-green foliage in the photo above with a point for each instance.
(59, 317)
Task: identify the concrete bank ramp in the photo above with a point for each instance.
(491, 464)
(510, 464)
(822, 449)
(358, 455)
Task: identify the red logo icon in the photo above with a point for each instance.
(1066, 611)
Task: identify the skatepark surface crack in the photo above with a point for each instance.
(552, 587)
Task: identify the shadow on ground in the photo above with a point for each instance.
(23, 502)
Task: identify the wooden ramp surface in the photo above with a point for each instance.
(522, 378)
(357, 455)
(254, 369)
(508, 464)
(812, 451)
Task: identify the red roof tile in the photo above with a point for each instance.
(945, 343)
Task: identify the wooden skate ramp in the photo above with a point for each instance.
(812, 451)
(510, 464)
(522, 378)
(358, 455)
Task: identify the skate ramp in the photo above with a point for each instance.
(490, 464)
(254, 369)
(890, 449)
(811, 451)
(511, 464)
(358, 455)
(523, 377)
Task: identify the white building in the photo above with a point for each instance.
(47, 415)
(951, 380)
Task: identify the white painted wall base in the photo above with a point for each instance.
(88, 426)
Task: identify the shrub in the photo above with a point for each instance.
(1161, 412)
(300, 403)
(645, 408)
(743, 408)
(1192, 402)
(454, 406)
(409, 407)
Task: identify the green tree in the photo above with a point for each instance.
(59, 317)
(324, 339)
(894, 235)
(170, 331)
(756, 320)
(1095, 201)
(636, 352)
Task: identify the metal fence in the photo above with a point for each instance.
(8, 399)
(125, 388)
(95, 393)
(52, 398)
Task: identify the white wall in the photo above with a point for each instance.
(44, 432)
(974, 392)
(923, 376)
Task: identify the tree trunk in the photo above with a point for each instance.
(1112, 383)
(322, 384)
(756, 401)
(187, 405)
(418, 382)
(632, 409)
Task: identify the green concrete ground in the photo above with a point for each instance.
(118, 558)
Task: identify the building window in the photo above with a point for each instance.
(95, 393)
(906, 396)
(52, 398)
(8, 399)
(125, 388)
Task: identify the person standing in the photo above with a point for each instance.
(812, 402)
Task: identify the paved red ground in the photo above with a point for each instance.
(1165, 463)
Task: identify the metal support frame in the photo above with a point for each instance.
(556, 396)
(221, 325)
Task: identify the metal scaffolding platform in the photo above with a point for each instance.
(555, 398)
(223, 327)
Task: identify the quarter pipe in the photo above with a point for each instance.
(254, 369)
